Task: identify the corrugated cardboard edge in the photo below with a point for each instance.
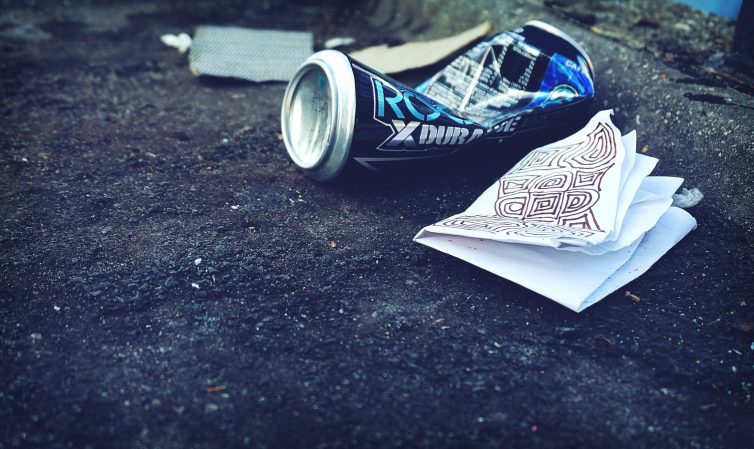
(418, 54)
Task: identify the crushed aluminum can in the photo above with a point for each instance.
(338, 112)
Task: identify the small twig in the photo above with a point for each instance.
(607, 340)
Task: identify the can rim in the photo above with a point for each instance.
(551, 29)
(333, 150)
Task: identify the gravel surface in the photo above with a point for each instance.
(170, 280)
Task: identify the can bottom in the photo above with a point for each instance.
(318, 115)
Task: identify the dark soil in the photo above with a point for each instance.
(312, 320)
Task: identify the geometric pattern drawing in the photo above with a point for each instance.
(513, 227)
(551, 192)
(559, 185)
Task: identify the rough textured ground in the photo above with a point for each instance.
(119, 171)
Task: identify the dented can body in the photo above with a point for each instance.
(338, 112)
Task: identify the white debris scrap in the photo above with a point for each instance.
(182, 41)
(336, 42)
(197, 261)
(687, 198)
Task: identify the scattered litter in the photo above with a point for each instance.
(332, 244)
(633, 297)
(216, 388)
(336, 42)
(605, 339)
(235, 207)
(56, 308)
(687, 198)
(197, 261)
(645, 149)
(36, 336)
(587, 227)
(211, 408)
(182, 42)
(250, 54)
(195, 285)
(418, 54)
(715, 60)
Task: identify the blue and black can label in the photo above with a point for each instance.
(530, 80)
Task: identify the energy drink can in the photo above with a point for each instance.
(338, 112)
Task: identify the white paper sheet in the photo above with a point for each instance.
(573, 220)
(563, 193)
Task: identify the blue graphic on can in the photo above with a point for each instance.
(532, 80)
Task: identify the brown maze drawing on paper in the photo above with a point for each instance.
(551, 192)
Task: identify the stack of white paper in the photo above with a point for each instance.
(574, 220)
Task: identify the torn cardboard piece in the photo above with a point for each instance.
(418, 54)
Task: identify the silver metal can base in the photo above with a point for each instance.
(318, 115)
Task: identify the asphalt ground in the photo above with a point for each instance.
(312, 319)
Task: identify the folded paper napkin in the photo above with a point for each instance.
(573, 221)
